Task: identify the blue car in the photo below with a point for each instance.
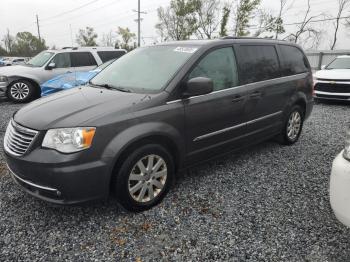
(70, 80)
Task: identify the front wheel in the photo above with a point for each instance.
(20, 91)
(144, 178)
(293, 126)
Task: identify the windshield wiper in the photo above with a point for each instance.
(107, 86)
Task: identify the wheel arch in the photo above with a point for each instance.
(142, 134)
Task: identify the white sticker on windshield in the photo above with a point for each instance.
(182, 49)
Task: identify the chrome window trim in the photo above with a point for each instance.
(30, 183)
(332, 94)
(247, 85)
(235, 127)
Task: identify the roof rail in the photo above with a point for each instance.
(246, 37)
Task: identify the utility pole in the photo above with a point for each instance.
(37, 23)
(138, 20)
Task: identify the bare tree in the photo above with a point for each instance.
(208, 12)
(305, 28)
(108, 39)
(279, 19)
(342, 5)
(9, 42)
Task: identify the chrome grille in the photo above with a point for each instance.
(18, 138)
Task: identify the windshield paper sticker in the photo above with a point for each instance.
(182, 49)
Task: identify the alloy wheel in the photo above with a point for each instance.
(147, 178)
(294, 125)
(19, 91)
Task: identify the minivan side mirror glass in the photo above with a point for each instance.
(323, 67)
(51, 66)
(198, 86)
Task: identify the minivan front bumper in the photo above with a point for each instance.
(68, 182)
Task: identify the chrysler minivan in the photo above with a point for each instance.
(155, 111)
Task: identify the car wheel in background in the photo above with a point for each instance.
(20, 91)
(292, 126)
(144, 178)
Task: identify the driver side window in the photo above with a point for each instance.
(219, 66)
(62, 60)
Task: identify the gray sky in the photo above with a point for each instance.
(107, 15)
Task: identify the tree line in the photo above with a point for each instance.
(206, 19)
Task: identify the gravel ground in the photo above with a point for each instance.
(267, 203)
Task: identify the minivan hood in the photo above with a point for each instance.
(341, 74)
(76, 106)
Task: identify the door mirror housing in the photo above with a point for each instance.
(51, 66)
(198, 86)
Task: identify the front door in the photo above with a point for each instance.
(63, 65)
(215, 119)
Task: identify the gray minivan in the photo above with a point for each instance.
(21, 83)
(155, 111)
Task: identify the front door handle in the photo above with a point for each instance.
(237, 98)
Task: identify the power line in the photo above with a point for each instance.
(70, 11)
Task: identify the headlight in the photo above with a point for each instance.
(3, 79)
(346, 153)
(69, 140)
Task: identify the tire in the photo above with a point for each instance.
(20, 91)
(134, 183)
(293, 126)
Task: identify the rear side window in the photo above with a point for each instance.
(257, 63)
(294, 61)
(82, 59)
(109, 55)
(219, 66)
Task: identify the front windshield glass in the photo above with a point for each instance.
(40, 59)
(340, 63)
(145, 69)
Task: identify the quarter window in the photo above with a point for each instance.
(82, 59)
(219, 66)
(62, 60)
(295, 61)
(257, 63)
(109, 55)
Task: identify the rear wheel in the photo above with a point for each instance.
(144, 178)
(20, 91)
(293, 126)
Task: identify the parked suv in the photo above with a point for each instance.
(333, 81)
(21, 83)
(155, 111)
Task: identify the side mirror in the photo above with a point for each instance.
(51, 66)
(323, 67)
(198, 86)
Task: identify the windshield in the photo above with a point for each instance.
(340, 63)
(40, 59)
(145, 69)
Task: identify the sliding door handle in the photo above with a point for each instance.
(256, 94)
(237, 98)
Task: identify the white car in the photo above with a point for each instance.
(340, 184)
(333, 81)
